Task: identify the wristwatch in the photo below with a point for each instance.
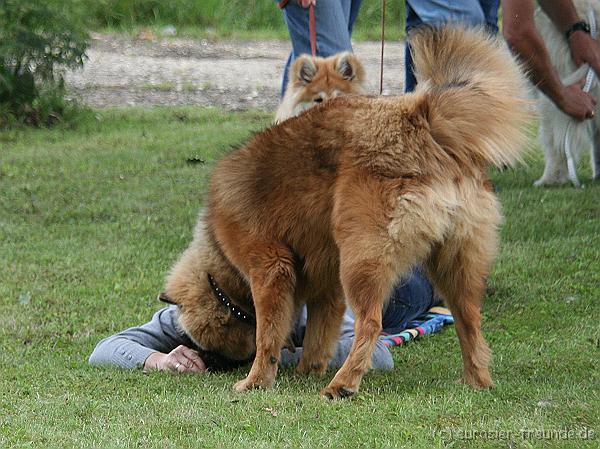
(578, 26)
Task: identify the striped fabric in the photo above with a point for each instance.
(429, 323)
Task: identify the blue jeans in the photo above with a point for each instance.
(410, 298)
(335, 19)
(437, 12)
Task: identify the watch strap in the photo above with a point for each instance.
(578, 26)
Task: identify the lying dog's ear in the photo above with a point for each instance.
(349, 67)
(303, 70)
(165, 298)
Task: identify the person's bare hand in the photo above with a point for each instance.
(180, 360)
(585, 50)
(577, 103)
(306, 3)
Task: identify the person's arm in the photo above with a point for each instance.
(562, 13)
(154, 345)
(381, 360)
(522, 36)
(584, 49)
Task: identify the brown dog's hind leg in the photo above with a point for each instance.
(272, 280)
(459, 269)
(322, 332)
(379, 239)
(366, 285)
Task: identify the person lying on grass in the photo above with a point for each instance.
(161, 345)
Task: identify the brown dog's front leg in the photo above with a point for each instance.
(272, 281)
(322, 332)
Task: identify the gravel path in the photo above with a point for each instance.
(123, 71)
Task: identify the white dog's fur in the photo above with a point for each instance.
(553, 122)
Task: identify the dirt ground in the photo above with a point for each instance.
(237, 75)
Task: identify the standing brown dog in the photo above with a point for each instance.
(344, 199)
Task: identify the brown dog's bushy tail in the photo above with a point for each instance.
(476, 93)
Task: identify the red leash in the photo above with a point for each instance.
(312, 29)
(312, 25)
(382, 45)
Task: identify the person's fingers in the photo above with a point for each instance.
(175, 359)
(187, 351)
(192, 360)
(189, 364)
(176, 362)
(591, 106)
(184, 359)
(580, 83)
(178, 349)
(596, 68)
(173, 364)
(197, 362)
(593, 99)
(578, 104)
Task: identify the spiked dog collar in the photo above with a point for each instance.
(224, 299)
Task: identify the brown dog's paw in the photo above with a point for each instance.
(480, 381)
(248, 384)
(311, 367)
(335, 393)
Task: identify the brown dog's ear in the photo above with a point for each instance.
(349, 67)
(303, 70)
(165, 298)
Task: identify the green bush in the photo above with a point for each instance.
(37, 41)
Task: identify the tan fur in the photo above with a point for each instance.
(315, 80)
(343, 199)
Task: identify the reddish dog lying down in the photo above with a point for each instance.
(342, 200)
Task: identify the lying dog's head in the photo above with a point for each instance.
(315, 80)
(215, 306)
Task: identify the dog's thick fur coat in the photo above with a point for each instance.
(554, 122)
(343, 199)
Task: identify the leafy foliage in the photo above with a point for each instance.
(37, 40)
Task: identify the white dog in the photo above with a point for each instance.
(553, 122)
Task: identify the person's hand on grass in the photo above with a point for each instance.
(180, 360)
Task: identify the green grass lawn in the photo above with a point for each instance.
(92, 218)
(243, 19)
